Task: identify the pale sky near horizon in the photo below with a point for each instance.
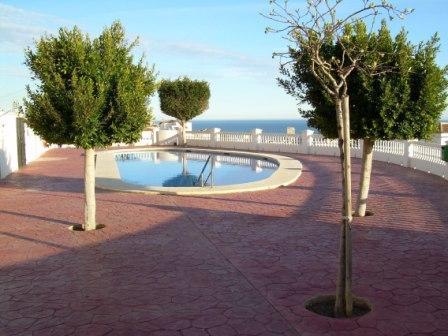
(222, 42)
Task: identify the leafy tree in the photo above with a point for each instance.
(89, 93)
(403, 103)
(309, 30)
(183, 99)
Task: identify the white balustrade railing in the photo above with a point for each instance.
(355, 144)
(235, 137)
(419, 155)
(320, 141)
(428, 152)
(280, 139)
(199, 136)
(391, 147)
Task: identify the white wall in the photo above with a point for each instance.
(146, 139)
(34, 146)
(8, 144)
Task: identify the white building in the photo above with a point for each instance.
(173, 124)
(168, 131)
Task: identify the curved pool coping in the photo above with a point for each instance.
(108, 176)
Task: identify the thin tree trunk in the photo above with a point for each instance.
(348, 218)
(366, 171)
(89, 190)
(340, 285)
(344, 299)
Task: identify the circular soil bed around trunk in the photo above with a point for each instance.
(324, 305)
(79, 227)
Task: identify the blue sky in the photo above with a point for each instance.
(222, 42)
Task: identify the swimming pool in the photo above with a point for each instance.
(191, 171)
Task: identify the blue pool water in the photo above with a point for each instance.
(183, 169)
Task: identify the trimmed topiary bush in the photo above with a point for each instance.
(184, 99)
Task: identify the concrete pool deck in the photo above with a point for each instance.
(108, 176)
(235, 264)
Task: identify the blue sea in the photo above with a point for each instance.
(268, 126)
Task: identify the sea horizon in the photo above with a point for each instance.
(246, 125)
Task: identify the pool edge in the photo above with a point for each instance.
(108, 178)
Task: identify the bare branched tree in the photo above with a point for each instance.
(308, 30)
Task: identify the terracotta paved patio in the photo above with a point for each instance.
(240, 264)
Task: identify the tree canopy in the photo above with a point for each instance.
(184, 98)
(404, 101)
(89, 93)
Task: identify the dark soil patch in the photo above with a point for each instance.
(324, 305)
(369, 213)
(79, 227)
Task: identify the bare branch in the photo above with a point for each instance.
(310, 28)
(321, 81)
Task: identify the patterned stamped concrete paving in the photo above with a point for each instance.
(239, 264)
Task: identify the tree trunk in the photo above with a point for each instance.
(344, 299)
(366, 171)
(89, 190)
(340, 285)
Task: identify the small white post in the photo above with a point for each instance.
(408, 152)
(256, 137)
(155, 132)
(306, 138)
(215, 136)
